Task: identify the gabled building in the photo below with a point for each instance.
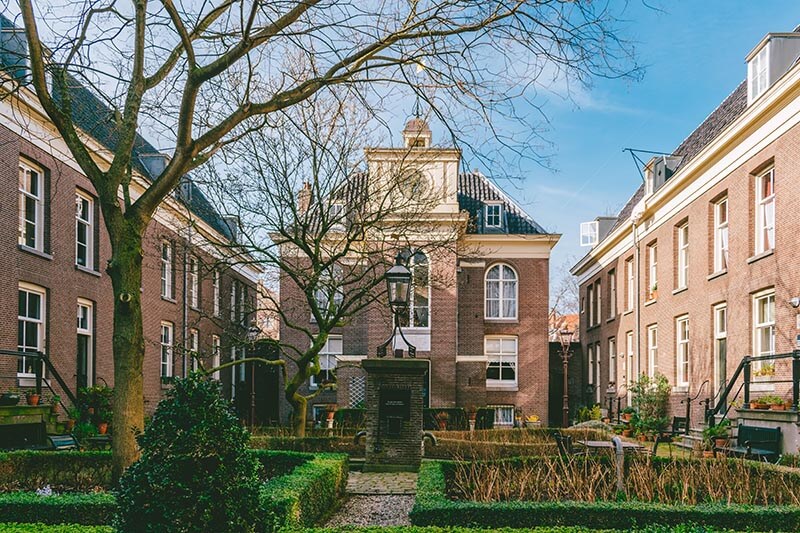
(697, 272)
(483, 324)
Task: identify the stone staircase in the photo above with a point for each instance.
(19, 424)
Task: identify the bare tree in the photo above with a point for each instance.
(564, 298)
(203, 74)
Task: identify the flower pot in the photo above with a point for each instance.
(654, 294)
(777, 407)
(330, 415)
(756, 405)
(627, 417)
(33, 399)
(642, 438)
(627, 432)
(721, 442)
(532, 425)
(69, 425)
(54, 408)
(708, 454)
(102, 428)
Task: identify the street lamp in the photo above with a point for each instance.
(565, 336)
(398, 286)
(252, 336)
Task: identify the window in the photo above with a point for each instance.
(652, 349)
(166, 270)
(237, 371)
(84, 231)
(215, 355)
(501, 354)
(328, 356)
(612, 361)
(216, 283)
(167, 330)
(590, 355)
(590, 299)
(329, 294)
(234, 290)
(31, 207)
(194, 348)
(720, 346)
(597, 359)
(682, 351)
(30, 326)
(503, 415)
(652, 270)
(629, 351)
(590, 233)
(85, 331)
(612, 294)
(631, 285)
(419, 305)
(757, 74)
(494, 216)
(765, 211)
(721, 235)
(194, 282)
(683, 255)
(764, 330)
(598, 291)
(501, 292)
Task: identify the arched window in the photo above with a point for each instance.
(501, 292)
(419, 303)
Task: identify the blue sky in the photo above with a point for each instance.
(694, 56)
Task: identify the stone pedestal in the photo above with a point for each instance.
(394, 414)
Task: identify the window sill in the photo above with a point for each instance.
(760, 256)
(650, 302)
(29, 380)
(761, 386)
(611, 319)
(501, 388)
(34, 251)
(715, 275)
(87, 271)
(680, 290)
(194, 308)
(168, 299)
(628, 312)
(681, 388)
(501, 320)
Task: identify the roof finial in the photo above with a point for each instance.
(417, 108)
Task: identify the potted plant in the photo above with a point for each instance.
(9, 398)
(103, 418)
(717, 436)
(32, 397)
(766, 370)
(532, 421)
(472, 414)
(627, 432)
(775, 403)
(54, 401)
(654, 291)
(73, 415)
(627, 413)
(441, 418)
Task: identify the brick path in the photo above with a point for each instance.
(376, 499)
(372, 483)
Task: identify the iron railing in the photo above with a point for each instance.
(42, 362)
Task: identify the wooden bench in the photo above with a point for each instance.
(753, 442)
(63, 442)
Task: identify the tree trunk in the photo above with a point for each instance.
(125, 270)
(298, 404)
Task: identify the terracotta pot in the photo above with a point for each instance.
(627, 432)
(442, 425)
(762, 406)
(654, 295)
(721, 442)
(102, 428)
(33, 399)
(627, 417)
(54, 408)
(330, 415)
(777, 407)
(708, 454)
(69, 425)
(642, 438)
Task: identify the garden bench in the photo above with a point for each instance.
(678, 428)
(63, 442)
(753, 442)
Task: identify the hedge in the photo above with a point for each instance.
(60, 528)
(89, 509)
(304, 496)
(309, 444)
(432, 507)
(470, 450)
(67, 470)
(279, 463)
(683, 528)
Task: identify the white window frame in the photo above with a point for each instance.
(87, 330)
(29, 170)
(590, 358)
(629, 377)
(590, 233)
(501, 282)
(590, 300)
(652, 266)
(328, 358)
(764, 324)
(194, 282)
(504, 358)
(216, 286)
(238, 372)
(216, 353)
(415, 262)
(493, 215)
(683, 255)
(720, 333)
(721, 235)
(612, 361)
(167, 341)
(597, 364)
(758, 74)
(167, 262)
(631, 284)
(503, 415)
(612, 294)
(40, 323)
(682, 364)
(652, 349)
(85, 220)
(765, 213)
(193, 347)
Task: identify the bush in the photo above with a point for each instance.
(68, 471)
(471, 450)
(651, 401)
(352, 418)
(278, 463)
(433, 507)
(305, 495)
(310, 444)
(90, 509)
(60, 528)
(195, 473)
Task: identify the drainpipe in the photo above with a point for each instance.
(634, 372)
(186, 254)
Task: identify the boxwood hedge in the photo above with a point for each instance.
(67, 470)
(432, 507)
(60, 528)
(90, 509)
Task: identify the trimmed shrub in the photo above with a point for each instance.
(278, 463)
(433, 507)
(310, 444)
(71, 471)
(473, 450)
(90, 509)
(196, 472)
(308, 493)
(60, 528)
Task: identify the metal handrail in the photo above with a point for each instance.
(42, 359)
(688, 401)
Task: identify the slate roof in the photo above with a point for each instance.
(475, 191)
(95, 118)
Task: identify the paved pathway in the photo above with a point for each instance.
(376, 499)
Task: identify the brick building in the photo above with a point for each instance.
(483, 323)
(55, 248)
(696, 271)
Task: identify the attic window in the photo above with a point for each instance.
(494, 216)
(758, 74)
(590, 233)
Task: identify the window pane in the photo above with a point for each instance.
(34, 305)
(509, 345)
(493, 370)
(492, 346)
(494, 273)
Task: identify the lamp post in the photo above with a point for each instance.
(252, 335)
(398, 286)
(565, 337)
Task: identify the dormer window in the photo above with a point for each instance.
(494, 216)
(758, 74)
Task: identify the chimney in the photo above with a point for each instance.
(304, 198)
(154, 163)
(232, 221)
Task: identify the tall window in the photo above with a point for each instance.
(629, 377)
(720, 346)
(167, 330)
(84, 230)
(328, 357)
(85, 370)
(630, 289)
(216, 283)
(721, 235)
(597, 358)
(763, 329)
(238, 371)
(757, 74)
(494, 216)
(612, 361)
(652, 349)
(765, 211)
(501, 353)
(30, 326)
(419, 305)
(216, 351)
(501, 292)
(166, 269)
(598, 291)
(683, 255)
(682, 351)
(590, 299)
(612, 294)
(194, 282)
(329, 293)
(31, 207)
(590, 349)
(193, 348)
(652, 270)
